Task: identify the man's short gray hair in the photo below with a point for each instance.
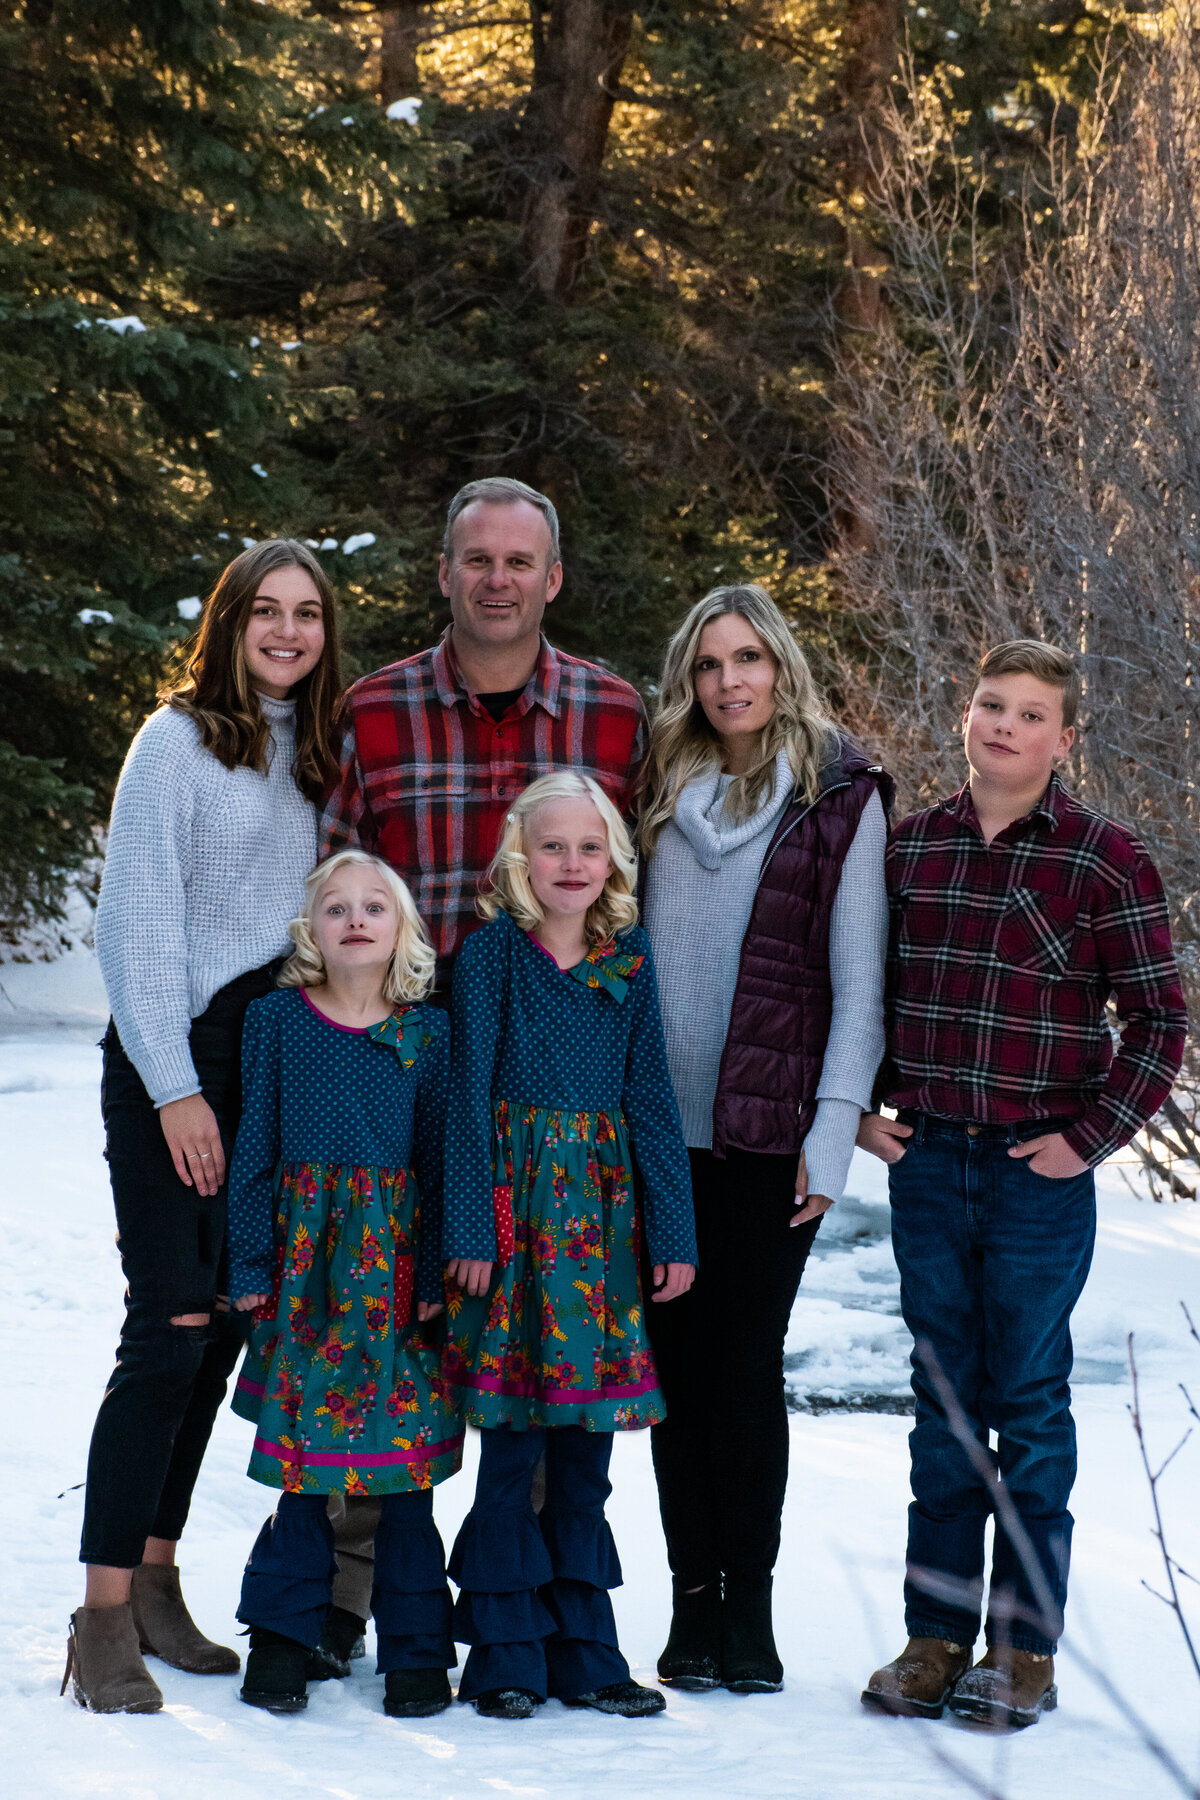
(501, 490)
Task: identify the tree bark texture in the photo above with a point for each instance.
(401, 31)
(579, 49)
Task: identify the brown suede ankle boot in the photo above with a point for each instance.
(1006, 1687)
(920, 1680)
(166, 1628)
(105, 1664)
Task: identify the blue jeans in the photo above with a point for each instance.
(534, 1604)
(288, 1583)
(992, 1260)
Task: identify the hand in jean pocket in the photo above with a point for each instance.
(1051, 1156)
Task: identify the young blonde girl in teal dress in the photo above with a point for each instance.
(334, 1236)
(559, 1088)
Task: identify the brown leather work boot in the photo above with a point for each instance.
(105, 1664)
(917, 1684)
(166, 1628)
(1006, 1687)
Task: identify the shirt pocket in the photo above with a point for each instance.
(1036, 932)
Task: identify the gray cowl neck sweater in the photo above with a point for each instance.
(700, 888)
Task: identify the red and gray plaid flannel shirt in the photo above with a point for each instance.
(1002, 960)
(428, 775)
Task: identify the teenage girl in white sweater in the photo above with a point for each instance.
(213, 832)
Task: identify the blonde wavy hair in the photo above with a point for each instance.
(506, 884)
(409, 974)
(683, 745)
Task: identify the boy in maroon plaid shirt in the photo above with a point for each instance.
(1016, 914)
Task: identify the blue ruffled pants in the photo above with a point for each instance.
(534, 1603)
(288, 1583)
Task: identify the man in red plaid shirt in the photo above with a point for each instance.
(435, 751)
(1016, 914)
(437, 747)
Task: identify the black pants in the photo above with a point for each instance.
(721, 1454)
(157, 1413)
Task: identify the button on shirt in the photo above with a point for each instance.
(427, 774)
(1001, 962)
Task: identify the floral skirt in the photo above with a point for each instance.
(345, 1389)
(560, 1337)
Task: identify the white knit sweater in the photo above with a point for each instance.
(700, 888)
(204, 872)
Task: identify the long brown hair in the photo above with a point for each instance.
(684, 745)
(215, 688)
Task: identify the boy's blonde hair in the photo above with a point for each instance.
(507, 886)
(409, 974)
(1046, 662)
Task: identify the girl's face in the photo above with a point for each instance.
(285, 633)
(355, 922)
(567, 846)
(734, 677)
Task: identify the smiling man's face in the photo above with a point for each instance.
(499, 578)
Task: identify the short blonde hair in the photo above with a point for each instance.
(1045, 662)
(410, 970)
(506, 884)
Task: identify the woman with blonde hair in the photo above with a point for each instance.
(559, 1089)
(764, 829)
(335, 1239)
(213, 832)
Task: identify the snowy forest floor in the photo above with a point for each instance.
(837, 1587)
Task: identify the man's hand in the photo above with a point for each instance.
(474, 1278)
(194, 1140)
(429, 1309)
(1051, 1156)
(813, 1206)
(672, 1279)
(884, 1138)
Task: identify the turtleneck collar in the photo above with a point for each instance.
(277, 712)
(700, 813)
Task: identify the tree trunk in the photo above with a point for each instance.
(579, 49)
(402, 29)
(870, 36)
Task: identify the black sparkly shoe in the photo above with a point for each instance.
(341, 1641)
(749, 1660)
(275, 1678)
(415, 1693)
(506, 1703)
(692, 1658)
(626, 1698)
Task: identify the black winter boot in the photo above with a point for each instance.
(749, 1660)
(692, 1658)
(415, 1693)
(341, 1641)
(275, 1673)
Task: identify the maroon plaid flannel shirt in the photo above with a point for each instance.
(1001, 963)
(428, 775)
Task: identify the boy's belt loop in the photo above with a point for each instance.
(919, 1129)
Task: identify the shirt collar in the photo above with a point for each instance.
(542, 689)
(1049, 808)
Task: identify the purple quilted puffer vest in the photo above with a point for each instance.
(782, 1005)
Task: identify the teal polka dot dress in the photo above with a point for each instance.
(559, 1086)
(335, 1211)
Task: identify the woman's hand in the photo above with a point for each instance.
(672, 1279)
(813, 1206)
(428, 1309)
(473, 1278)
(248, 1302)
(884, 1138)
(194, 1140)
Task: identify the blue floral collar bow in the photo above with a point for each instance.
(607, 967)
(405, 1033)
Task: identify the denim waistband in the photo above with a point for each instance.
(929, 1125)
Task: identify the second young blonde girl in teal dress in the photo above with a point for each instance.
(559, 1089)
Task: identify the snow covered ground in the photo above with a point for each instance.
(838, 1584)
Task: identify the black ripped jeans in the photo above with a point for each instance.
(157, 1413)
(721, 1453)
